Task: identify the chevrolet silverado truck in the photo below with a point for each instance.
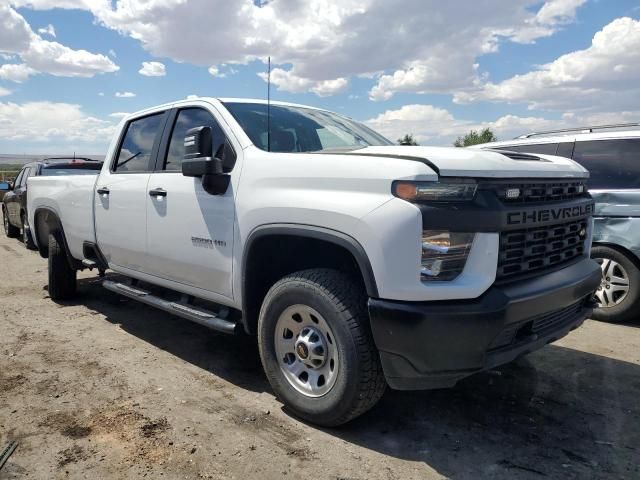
(356, 263)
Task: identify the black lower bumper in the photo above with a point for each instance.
(434, 344)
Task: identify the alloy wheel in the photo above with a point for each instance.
(614, 285)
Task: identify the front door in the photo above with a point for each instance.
(121, 195)
(13, 198)
(190, 232)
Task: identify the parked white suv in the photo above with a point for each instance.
(356, 262)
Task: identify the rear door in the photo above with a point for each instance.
(121, 194)
(190, 232)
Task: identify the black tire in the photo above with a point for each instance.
(359, 381)
(26, 235)
(628, 308)
(62, 278)
(9, 230)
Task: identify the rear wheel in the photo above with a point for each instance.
(316, 347)
(62, 278)
(26, 234)
(9, 230)
(618, 295)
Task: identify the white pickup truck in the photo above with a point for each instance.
(357, 263)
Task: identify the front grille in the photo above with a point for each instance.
(539, 191)
(529, 250)
(539, 325)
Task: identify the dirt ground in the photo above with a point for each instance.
(106, 388)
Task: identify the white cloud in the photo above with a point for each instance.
(112, 52)
(101, 94)
(48, 30)
(125, 94)
(437, 126)
(288, 81)
(215, 72)
(118, 114)
(47, 122)
(604, 76)
(4, 92)
(318, 45)
(16, 72)
(153, 69)
(17, 38)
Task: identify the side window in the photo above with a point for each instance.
(565, 149)
(613, 164)
(28, 173)
(137, 145)
(197, 117)
(19, 178)
(542, 148)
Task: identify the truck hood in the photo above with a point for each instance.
(464, 162)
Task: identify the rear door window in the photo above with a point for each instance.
(613, 164)
(137, 147)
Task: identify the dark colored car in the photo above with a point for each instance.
(14, 202)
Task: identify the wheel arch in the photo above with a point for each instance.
(47, 221)
(324, 246)
(620, 249)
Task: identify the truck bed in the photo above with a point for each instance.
(71, 198)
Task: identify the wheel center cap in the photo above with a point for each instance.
(302, 350)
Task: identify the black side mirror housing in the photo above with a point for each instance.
(200, 162)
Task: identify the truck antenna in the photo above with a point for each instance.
(269, 104)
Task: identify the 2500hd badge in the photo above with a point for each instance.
(549, 214)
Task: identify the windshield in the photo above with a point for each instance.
(299, 129)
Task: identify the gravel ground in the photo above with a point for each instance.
(103, 387)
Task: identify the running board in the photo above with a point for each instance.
(197, 315)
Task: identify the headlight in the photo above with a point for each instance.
(455, 191)
(444, 254)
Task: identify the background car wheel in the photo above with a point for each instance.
(316, 347)
(9, 230)
(618, 295)
(26, 235)
(62, 278)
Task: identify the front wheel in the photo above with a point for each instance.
(316, 347)
(9, 230)
(618, 295)
(62, 278)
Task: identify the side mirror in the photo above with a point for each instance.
(200, 162)
(5, 186)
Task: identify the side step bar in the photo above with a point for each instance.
(184, 310)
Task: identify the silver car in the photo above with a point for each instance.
(611, 153)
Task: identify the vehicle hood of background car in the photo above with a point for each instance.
(463, 162)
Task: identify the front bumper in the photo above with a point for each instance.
(427, 345)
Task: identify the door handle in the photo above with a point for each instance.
(158, 192)
(103, 191)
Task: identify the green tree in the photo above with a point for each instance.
(408, 140)
(474, 138)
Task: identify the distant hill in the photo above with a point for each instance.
(21, 159)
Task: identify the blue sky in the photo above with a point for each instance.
(435, 72)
